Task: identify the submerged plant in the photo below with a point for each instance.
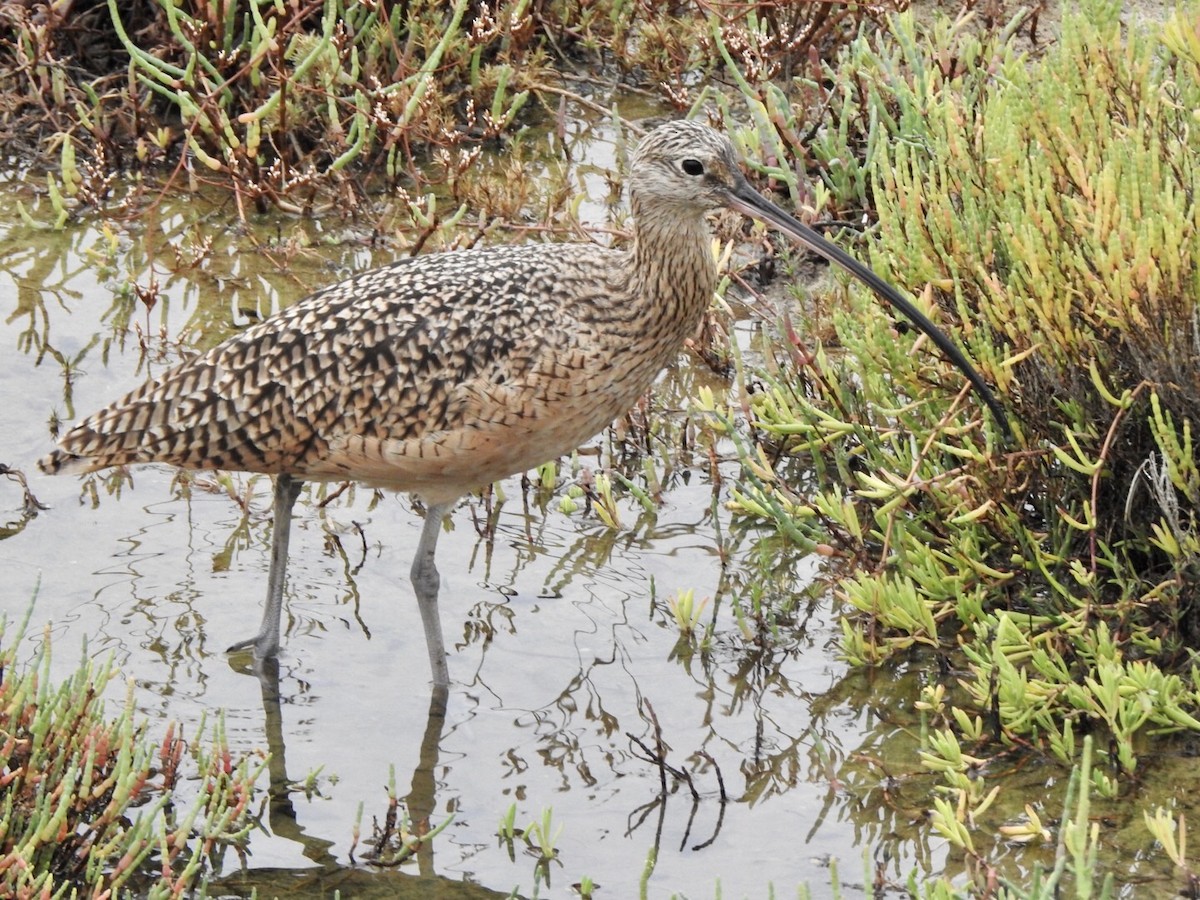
(542, 837)
(400, 837)
(686, 611)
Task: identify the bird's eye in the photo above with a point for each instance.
(692, 167)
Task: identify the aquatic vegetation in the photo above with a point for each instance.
(90, 804)
(1077, 307)
(314, 108)
(686, 611)
(400, 836)
(1046, 207)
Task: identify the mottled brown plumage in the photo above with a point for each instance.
(435, 375)
(443, 373)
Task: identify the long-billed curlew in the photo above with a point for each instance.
(442, 373)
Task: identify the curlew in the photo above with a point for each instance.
(440, 374)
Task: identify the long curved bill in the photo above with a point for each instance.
(748, 201)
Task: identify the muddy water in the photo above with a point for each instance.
(564, 657)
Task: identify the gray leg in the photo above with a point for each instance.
(266, 642)
(426, 581)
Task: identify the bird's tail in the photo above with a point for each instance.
(61, 462)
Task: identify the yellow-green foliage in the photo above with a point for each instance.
(88, 804)
(1057, 204)
(1046, 211)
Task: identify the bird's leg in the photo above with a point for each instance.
(266, 642)
(425, 582)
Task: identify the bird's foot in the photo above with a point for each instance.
(264, 646)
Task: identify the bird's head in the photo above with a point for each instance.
(685, 164)
(689, 166)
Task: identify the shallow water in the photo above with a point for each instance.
(563, 654)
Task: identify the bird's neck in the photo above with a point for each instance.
(672, 264)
